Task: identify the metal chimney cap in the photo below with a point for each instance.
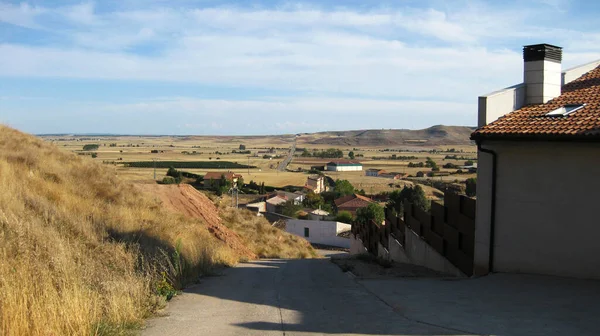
(542, 52)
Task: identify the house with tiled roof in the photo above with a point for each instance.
(213, 179)
(538, 172)
(351, 203)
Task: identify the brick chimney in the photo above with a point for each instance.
(542, 73)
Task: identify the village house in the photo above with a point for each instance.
(321, 232)
(538, 171)
(213, 179)
(344, 165)
(351, 203)
(316, 184)
(385, 174)
(276, 200)
(374, 172)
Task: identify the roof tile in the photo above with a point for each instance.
(532, 122)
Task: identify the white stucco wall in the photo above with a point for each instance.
(496, 104)
(320, 232)
(344, 168)
(547, 220)
(573, 73)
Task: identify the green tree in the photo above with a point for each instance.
(242, 147)
(471, 189)
(90, 147)
(414, 195)
(344, 217)
(343, 188)
(290, 209)
(373, 212)
(240, 182)
(313, 201)
(469, 163)
(351, 155)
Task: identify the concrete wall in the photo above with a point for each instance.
(496, 104)
(547, 220)
(320, 232)
(421, 253)
(571, 74)
(356, 245)
(397, 252)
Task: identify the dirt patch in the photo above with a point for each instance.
(188, 201)
(367, 266)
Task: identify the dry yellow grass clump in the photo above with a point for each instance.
(262, 238)
(82, 253)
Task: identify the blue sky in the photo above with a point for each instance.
(270, 67)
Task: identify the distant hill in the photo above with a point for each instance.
(432, 136)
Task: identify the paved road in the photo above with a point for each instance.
(284, 297)
(289, 158)
(313, 297)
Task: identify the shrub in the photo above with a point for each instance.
(168, 180)
(344, 217)
(90, 147)
(471, 189)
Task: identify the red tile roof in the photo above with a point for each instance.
(353, 201)
(531, 122)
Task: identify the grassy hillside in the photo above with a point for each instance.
(435, 135)
(82, 253)
(262, 238)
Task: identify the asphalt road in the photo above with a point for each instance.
(289, 158)
(284, 297)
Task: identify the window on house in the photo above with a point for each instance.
(565, 110)
(306, 232)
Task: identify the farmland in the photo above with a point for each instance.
(135, 157)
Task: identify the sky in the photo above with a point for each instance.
(270, 67)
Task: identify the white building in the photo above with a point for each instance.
(538, 173)
(320, 232)
(344, 165)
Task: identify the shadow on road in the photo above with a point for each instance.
(273, 297)
(312, 296)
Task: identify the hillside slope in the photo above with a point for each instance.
(246, 234)
(83, 253)
(186, 200)
(432, 136)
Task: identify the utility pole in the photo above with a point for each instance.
(154, 160)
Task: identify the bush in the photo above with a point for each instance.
(344, 217)
(168, 180)
(471, 189)
(373, 212)
(90, 147)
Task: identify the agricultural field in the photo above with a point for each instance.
(134, 157)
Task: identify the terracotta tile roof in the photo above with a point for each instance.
(217, 175)
(352, 201)
(531, 122)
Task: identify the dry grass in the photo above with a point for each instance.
(80, 251)
(262, 238)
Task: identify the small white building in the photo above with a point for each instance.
(344, 165)
(319, 214)
(320, 232)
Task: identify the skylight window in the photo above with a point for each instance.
(565, 110)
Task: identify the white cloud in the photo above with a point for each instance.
(22, 15)
(394, 58)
